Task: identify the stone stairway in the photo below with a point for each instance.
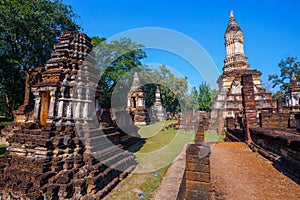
(59, 163)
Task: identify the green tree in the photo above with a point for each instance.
(173, 89)
(28, 31)
(191, 100)
(96, 40)
(278, 95)
(288, 66)
(115, 60)
(206, 96)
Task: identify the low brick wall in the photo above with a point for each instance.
(274, 120)
(282, 146)
(234, 135)
(196, 183)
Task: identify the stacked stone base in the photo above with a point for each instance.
(141, 116)
(64, 162)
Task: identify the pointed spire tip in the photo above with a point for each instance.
(231, 14)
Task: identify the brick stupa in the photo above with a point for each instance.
(57, 148)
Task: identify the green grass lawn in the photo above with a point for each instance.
(5, 123)
(156, 155)
(212, 136)
(160, 150)
(153, 129)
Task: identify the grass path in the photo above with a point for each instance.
(160, 150)
(153, 129)
(154, 157)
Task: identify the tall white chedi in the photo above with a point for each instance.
(160, 113)
(234, 44)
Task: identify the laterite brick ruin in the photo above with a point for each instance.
(136, 103)
(62, 145)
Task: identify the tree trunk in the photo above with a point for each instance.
(9, 107)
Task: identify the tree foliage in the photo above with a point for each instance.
(115, 60)
(191, 100)
(288, 66)
(206, 96)
(201, 97)
(279, 95)
(28, 31)
(173, 89)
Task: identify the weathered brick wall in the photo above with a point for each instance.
(235, 135)
(197, 172)
(282, 146)
(196, 182)
(249, 105)
(274, 120)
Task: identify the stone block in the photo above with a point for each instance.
(198, 176)
(198, 167)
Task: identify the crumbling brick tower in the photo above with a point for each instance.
(136, 103)
(57, 149)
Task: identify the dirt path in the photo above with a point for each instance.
(238, 173)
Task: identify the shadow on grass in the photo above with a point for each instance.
(140, 145)
(2, 150)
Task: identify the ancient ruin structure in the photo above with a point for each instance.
(159, 110)
(57, 149)
(136, 103)
(292, 96)
(228, 103)
(250, 119)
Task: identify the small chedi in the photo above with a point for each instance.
(228, 103)
(159, 110)
(59, 148)
(136, 103)
(292, 95)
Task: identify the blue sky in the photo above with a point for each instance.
(271, 27)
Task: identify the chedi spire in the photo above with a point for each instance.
(234, 44)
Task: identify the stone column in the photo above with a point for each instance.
(61, 103)
(140, 101)
(51, 106)
(128, 103)
(70, 105)
(37, 101)
(199, 135)
(86, 109)
(249, 106)
(78, 103)
(220, 123)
